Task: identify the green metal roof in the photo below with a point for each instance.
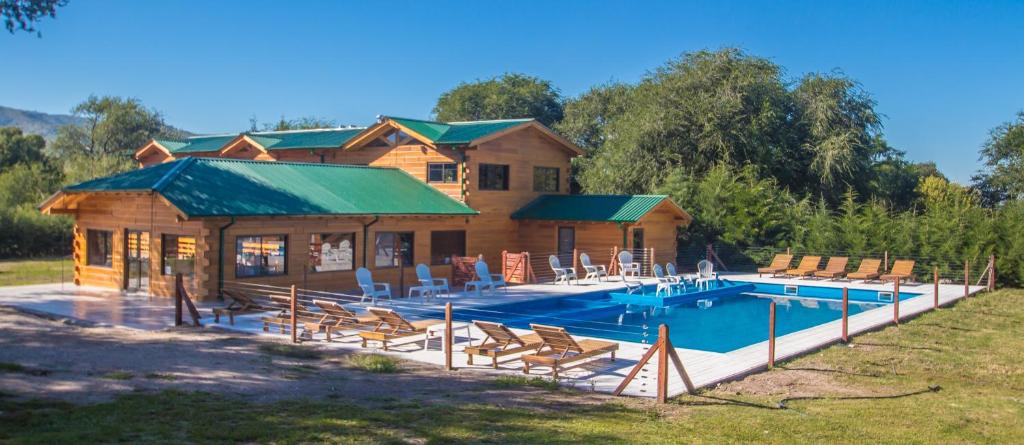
(227, 187)
(607, 208)
(271, 140)
(457, 132)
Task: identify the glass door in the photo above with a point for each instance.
(136, 260)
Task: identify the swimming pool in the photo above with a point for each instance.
(717, 323)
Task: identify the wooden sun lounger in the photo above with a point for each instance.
(505, 342)
(808, 266)
(283, 319)
(241, 303)
(779, 264)
(867, 270)
(902, 270)
(336, 318)
(836, 267)
(559, 348)
(392, 326)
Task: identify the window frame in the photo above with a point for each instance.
(163, 253)
(444, 168)
(396, 241)
(108, 235)
(558, 178)
(312, 266)
(284, 239)
(480, 177)
(446, 257)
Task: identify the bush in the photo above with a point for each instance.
(377, 363)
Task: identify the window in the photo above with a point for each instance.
(331, 251)
(442, 172)
(545, 179)
(260, 255)
(99, 248)
(390, 246)
(444, 244)
(493, 177)
(178, 254)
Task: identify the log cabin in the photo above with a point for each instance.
(308, 207)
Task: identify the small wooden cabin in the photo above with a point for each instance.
(308, 207)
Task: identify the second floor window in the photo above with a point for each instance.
(545, 179)
(442, 172)
(493, 177)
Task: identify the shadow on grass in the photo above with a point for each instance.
(832, 371)
(898, 346)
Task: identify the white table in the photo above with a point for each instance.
(438, 330)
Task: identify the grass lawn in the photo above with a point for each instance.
(970, 355)
(47, 270)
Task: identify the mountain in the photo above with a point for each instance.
(35, 122)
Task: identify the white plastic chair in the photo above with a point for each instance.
(595, 272)
(485, 280)
(562, 274)
(664, 283)
(626, 264)
(371, 289)
(433, 286)
(705, 274)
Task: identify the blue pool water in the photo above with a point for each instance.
(721, 322)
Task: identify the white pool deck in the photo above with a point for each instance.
(140, 311)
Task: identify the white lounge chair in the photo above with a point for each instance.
(562, 274)
(428, 284)
(664, 283)
(670, 271)
(705, 274)
(593, 271)
(485, 280)
(371, 289)
(627, 266)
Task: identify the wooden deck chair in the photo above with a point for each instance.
(241, 303)
(779, 264)
(502, 342)
(392, 326)
(808, 266)
(283, 318)
(836, 267)
(867, 270)
(902, 270)
(337, 318)
(559, 348)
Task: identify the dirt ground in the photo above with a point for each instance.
(83, 364)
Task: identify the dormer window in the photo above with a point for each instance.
(442, 172)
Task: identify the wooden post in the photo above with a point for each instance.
(504, 264)
(967, 278)
(615, 261)
(846, 315)
(788, 252)
(885, 264)
(663, 363)
(935, 304)
(178, 287)
(896, 303)
(448, 336)
(294, 318)
(992, 272)
(771, 335)
(652, 262)
(575, 259)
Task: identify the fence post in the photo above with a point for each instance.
(614, 262)
(846, 314)
(992, 272)
(448, 336)
(788, 251)
(504, 265)
(663, 363)
(896, 303)
(886, 261)
(967, 278)
(575, 259)
(652, 262)
(294, 318)
(178, 287)
(936, 303)
(771, 335)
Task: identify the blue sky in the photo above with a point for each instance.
(943, 73)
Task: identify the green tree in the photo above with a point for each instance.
(22, 15)
(588, 116)
(113, 125)
(509, 96)
(1003, 155)
(302, 123)
(19, 148)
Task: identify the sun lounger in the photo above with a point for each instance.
(808, 265)
(559, 349)
(835, 268)
(502, 342)
(867, 270)
(241, 303)
(283, 318)
(336, 318)
(779, 264)
(902, 270)
(391, 326)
